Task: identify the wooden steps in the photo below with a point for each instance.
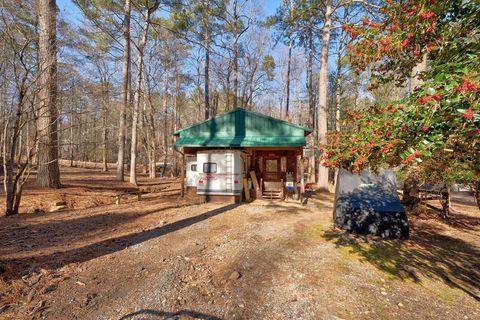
(273, 190)
(272, 194)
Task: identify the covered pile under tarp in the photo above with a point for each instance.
(368, 203)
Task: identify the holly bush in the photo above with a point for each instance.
(437, 126)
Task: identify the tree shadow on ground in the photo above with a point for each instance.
(460, 221)
(318, 198)
(94, 250)
(464, 198)
(68, 230)
(156, 183)
(284, 207)
(428, 254)
(456, 220)
(157, 314)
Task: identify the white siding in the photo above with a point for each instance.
(227, 180)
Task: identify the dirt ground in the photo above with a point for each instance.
(167, 257)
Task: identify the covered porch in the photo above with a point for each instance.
(279, 170)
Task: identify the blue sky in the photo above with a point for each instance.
(71, 12)
(268, 7)
(73, 15)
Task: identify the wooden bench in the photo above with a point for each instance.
(119, 196)
(138, 192)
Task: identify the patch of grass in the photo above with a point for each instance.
(446, 293)
(317, 230)
(379, 309)
(441, 290)
(388, 256)
(443, 265)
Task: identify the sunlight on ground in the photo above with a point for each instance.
(404, 261)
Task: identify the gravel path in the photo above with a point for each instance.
(264, 260)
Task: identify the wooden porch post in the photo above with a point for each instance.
(302, 179)
(182, 192)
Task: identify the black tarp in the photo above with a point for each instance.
(368, 203)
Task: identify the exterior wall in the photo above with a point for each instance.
(226, 177)
(191, 175)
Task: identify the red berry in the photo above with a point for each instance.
(468, 114)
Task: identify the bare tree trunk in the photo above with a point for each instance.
(165, 121)
(411, 195)
(176, 124)
(28, 146)
(125, 89)
(249, 99)
(150, 136)
(215, 99)
(227, 89)
(136, 99)
(198, 97)
(243, 99)
(207, 70)
(235, 55)
(13, 182)
(416, 72)
(311, 158)
(9, 145)
(48, 174)
(147, 138)
(153, 159)
(3, 93)
(249, 102)
(476, 191)
(71, 139)
(338, 87)
(322, 112)
(289, 62)
(176, 120)
(311, 102)
(311, 107)
(18, 156)
(95, 141)
(106, 101)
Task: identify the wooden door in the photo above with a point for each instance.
(271, 169)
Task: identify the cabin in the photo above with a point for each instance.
(243, 154)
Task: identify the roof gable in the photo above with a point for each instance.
(242, 128)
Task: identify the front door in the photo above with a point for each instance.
(272, 169)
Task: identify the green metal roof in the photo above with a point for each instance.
(242, 128)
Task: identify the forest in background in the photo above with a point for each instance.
(111, 85)
(124, 75)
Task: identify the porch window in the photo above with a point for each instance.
(272, 165)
